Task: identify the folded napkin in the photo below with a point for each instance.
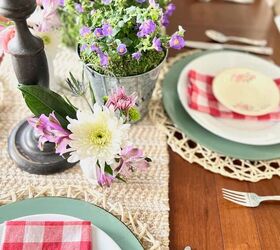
(47, 235)
(201, 98)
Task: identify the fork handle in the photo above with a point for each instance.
(270, 198)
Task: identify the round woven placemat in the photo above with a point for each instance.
(191, 151)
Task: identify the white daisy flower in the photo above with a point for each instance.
(96, 137)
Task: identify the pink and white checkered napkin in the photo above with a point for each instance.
(201, 98)
(47, 235)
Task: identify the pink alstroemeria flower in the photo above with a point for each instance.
(104, 179)
(46, 19)
(131, 159)
(6, 35)
(49, 129)
(120, 100)
(1, 50)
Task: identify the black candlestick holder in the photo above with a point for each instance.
(31, 68)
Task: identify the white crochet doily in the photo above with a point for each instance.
(244, 170)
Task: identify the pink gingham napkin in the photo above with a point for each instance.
(47, 235)
(201, 98)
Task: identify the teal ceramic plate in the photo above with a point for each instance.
(76, 208)
(197, 133)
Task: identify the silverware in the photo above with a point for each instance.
(218, 46)
(247, 199)
(241, 1)
(222, 38)
(232, 1)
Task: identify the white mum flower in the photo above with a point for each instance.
(96, 137)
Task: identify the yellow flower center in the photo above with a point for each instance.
(176, 41)
(100, 135)
(46, 40)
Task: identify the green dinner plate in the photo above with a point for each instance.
(194, 131)
(80, 209)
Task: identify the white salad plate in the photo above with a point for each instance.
(100, 240)
(242, 131)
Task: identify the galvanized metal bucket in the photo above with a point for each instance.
(143, 85)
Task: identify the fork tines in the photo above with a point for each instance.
(240, 198)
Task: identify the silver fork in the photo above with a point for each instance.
(247, 199)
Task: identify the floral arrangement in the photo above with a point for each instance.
(97, 137)
(123, 37)
(43, 22)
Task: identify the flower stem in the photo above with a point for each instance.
(88, 103)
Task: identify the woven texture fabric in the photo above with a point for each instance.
(36, 235)
(141, 203)
(192, 152)
(201, 98)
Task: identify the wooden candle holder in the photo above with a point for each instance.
(31, 68)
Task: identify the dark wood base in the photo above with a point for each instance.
(23, 150)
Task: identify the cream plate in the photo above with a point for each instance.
(247, 132)
(100, 240)
(246, 91)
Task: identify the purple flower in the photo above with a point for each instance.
(104, 59)
(83, 47)
(104, 179)
(61, 3)
(177, 42)
(157, 44)
(98, 32)
(164, 20)
(120, 100)
(79, 8)
(146, 28)
(106, 2)
(153, 3)
(131, 159)
(137, 55)
(140, 1)
(84, 31)
(170, 9)
(49, 129)
(95, 48)
(107, 29)
(122, 49)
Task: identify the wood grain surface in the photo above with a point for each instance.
(199, 217)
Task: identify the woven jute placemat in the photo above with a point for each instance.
(245, 170)
(141, 203)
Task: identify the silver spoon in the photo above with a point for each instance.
(232, 1)
(221, 38)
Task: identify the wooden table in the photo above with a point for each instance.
(199, 217)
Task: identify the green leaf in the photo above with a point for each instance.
(41, 100)
(108, 169)
(120, 178)
(68, 101)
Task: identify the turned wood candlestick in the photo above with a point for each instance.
(31, 68)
